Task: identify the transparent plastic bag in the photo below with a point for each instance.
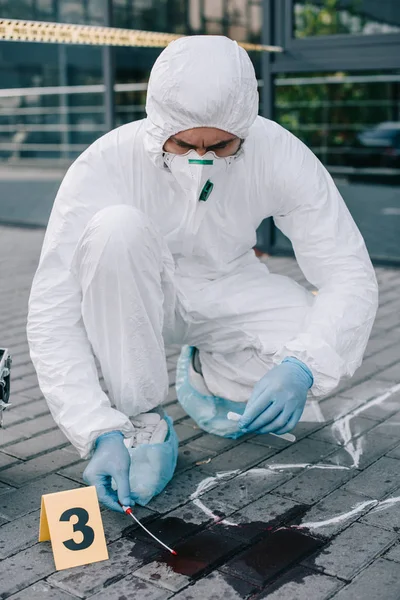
(153, 466)
(209, 412)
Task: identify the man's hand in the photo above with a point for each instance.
(278, 399)
(110, 460)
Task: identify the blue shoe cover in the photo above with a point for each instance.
(209, 412)
(153, 466)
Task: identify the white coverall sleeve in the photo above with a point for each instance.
(59, 346)
(332, 256)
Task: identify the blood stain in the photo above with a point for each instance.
(257, 552)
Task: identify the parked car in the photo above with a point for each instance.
(378, 146)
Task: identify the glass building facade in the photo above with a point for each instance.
(336, 86)
(57, 126)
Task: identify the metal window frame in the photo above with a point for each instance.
(333, 52)
(329, 41)
(322, 54)
(266, 231)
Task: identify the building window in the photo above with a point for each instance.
(351, 121)
(345, 17)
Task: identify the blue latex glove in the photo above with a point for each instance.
(111, 460)
(278, 399)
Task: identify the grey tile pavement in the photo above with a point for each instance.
(302, 584)
(351, 551)
(379, 580)
(257, 517)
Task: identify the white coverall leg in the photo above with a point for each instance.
(128, 298)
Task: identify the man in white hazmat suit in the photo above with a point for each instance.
(150, 243)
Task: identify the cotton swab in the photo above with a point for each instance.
(128, 511)
(289, 437)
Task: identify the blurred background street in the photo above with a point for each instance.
(318, 519)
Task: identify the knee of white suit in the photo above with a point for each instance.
(117, 226)
(113, 236)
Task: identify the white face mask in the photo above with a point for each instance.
(195, 174)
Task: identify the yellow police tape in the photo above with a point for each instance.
(14, 30)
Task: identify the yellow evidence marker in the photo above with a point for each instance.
(71, 520)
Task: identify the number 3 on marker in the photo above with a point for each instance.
(80, 526)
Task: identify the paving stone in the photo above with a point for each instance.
(40, 591)
(335, 512)
(260, 516)
(34, 393)
(10, 435)
(19, 534)
(217, 586)
(306, 451)
(26, 429)
(387, 357)
(364, 450)
(163, 574)
(351, 550)
(313, 484)
(391, 374)
(31, 409)
(186, 432)
(330, 434)
(395, 453)
(176, 412)
(21, 370)
(380, 580)
(6, 460)
(391, 426)
(21, 474)
(242, 489)
(270, 556)
(214, 443)
(14, 415)
(195, 555)
(335, 407)
(16, 503)
(25, 383)
(377, 480)
(385, 409)
(368, 390)
(241, 457)
(75, 471)
(394, 553)
(26, 567)
(367, 370)
(306, 428)
(377, 344)
(386, 514)
(41, 443)
(189, 455)
(179, 490)
(5, 488)
(302, 584)
(124, 557)
(131, 588)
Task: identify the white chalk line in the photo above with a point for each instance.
(378, 507)
(343, 426)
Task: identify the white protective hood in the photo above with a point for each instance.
(184, 70)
